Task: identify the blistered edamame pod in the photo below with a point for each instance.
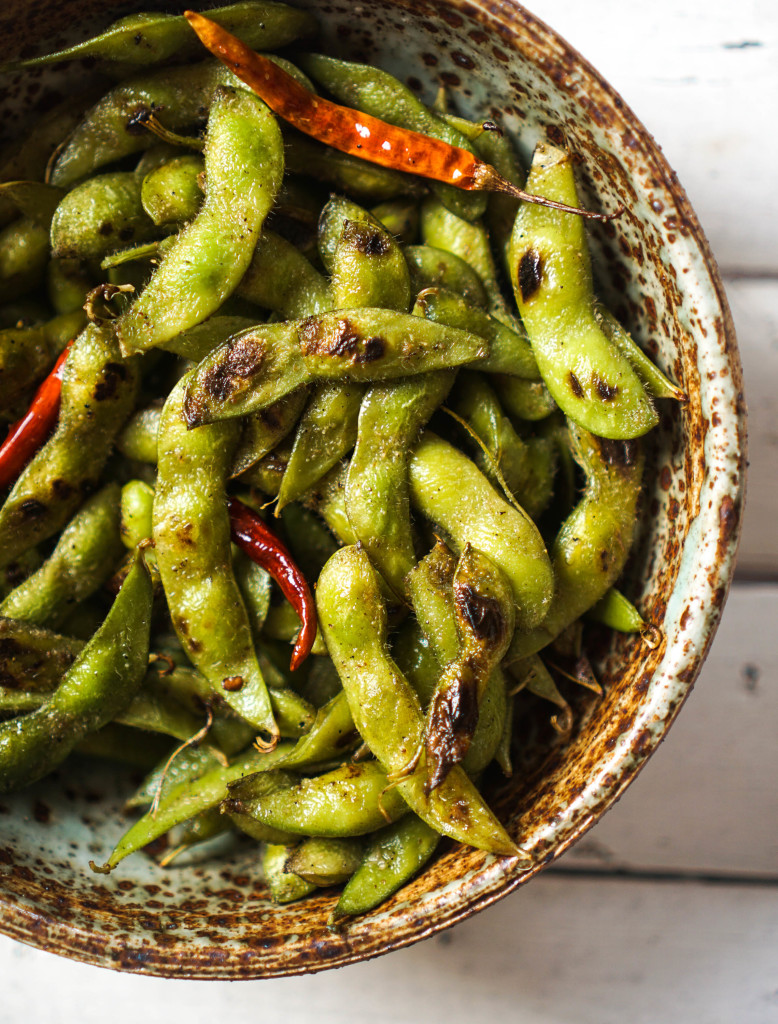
(385, 708)
(325, 433)
(374, 91)
(280, 278)
(171, 194)
(138, 440)
(377, 496)
(264, 429)
(656, 383)
(332, 735)
(283, 885)
(589, 378)
(451, 491)
(349, 801)
(435, 268)
(443, 229)
(99, 685)
(524, 399)
(256, 368)
(324, 861)
(85, 556)
(145, 39)
(365, 181)
(187, 799)
(114, 128)
(196, 342)
(368, 268)
(400, 217)
(593, 544)
(24, 253)
(332, 219)
(244, 163)
(98, 391)
(32, 658)
(393, 856)
(509, 351)
(100, 215)
(192, 543)
(483, 605)
(511, 460)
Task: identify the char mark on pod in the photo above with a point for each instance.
(530, 273)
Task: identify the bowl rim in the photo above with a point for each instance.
(497, 877)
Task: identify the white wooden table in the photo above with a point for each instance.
(668, 910)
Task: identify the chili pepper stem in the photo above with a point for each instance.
(486, 177)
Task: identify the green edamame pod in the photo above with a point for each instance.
(84, 558)
(244, 164)
(592, 546)
(98, 391)
(100, 215)
(533, 676)
(99, 685)
(67, 284)
(138, 440)
(192, 543)
(280, 278)
(451, 491)
(656, 383)
(327, 431)
(386, 710)
(368, 268)
(509, 351)
(25, 357)
(589, 378)
(171, 194)
(136, 511)
(393, 857)
(24, 253)
(189, 764)
(187, 799)
(256, 368)
(145, 39)
(400, 217)
(377, 494)
(524, 399)
(284, 886)
(376, 92)
(332, 735)
(33, 199)
(435, 268)
(326, 862)
(32, 658)
(617, 612)
(349, 801)
(264, 429)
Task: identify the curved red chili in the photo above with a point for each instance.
(266, 549)
(356, 133)
(27, 435)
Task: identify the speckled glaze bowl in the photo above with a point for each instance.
(655, 270)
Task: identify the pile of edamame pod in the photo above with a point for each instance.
(270, 397)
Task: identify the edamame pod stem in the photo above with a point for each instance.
(377, 492)
(98, 392)
(244, 164)
(99, 685)
(146, 39)
(84, 558)
(187, 799)
(385, 708)
(393, 857)
(589, 378)
(256, 368)
(192, 544)
(451, 491)
(592, 546)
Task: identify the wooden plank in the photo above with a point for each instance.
(593, 951)
(707, 799)
(701, 76)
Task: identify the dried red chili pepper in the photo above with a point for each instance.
(356, 133)
(27, 435)
(264, 547)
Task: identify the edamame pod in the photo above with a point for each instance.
(32, 658)
(589, 378)
(99, 216)
(171, 193)
(592, 546)
(326, 862)
(99, 685)
(435, 268)
(451, 491)
(281, 279)
(284, 886)
(258, 367)
(331, 735)
(243, 167)
(24, 253)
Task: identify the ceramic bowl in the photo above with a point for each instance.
(654, 268)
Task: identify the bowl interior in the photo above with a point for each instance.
(655, 271)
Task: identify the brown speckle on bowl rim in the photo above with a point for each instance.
(656, 271)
